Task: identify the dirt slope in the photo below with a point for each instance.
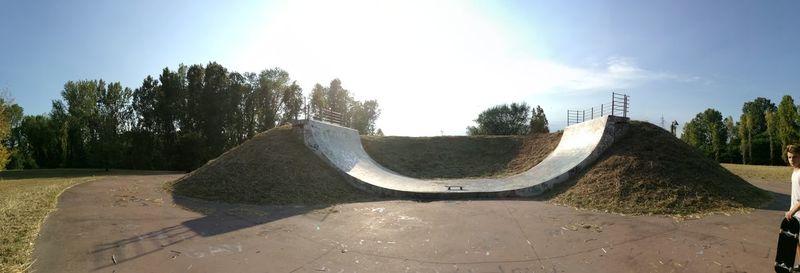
(648, 171)
(460, 156)
(274, 167)
(651, 171)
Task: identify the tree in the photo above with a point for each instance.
(744, 132)
(42, 137)
(6, 120)
(539, 122)
(787, 123)
(144, 149)
(317, 101)
(502, 120)
(757, 136)
(772, 129)
(693, 135)
(215, 85)
(707, 132)
(271, 85)
(339, 100)
(291, 102)
(113, 111)
(177, 120)
(20, 153)
(717, 131)
(235, 110)
(82, 135)
(732, 150)
(364, 115)
(756, 109)
(195, 83)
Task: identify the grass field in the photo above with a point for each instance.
(760, 173)
(26, 197)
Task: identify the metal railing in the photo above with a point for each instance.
(331, 116)
(617, 107)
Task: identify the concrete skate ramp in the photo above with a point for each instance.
(580, 145)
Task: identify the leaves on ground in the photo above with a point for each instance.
(649, 171)
(274, 168)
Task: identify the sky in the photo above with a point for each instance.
(433, 66)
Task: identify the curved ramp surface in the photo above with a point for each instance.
(580, 145)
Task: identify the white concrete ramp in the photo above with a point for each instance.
(580, 145)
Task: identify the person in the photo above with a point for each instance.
(673, 127)
(793, 156)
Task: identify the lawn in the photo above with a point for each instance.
(26, 197)
(760, 173)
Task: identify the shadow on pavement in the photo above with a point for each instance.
(780, 201)
(219, 218)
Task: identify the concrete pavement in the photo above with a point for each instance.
(129, 224)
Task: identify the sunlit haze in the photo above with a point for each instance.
(433, 66)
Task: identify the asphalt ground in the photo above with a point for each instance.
(130, 224)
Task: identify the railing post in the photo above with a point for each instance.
(601, 109)
(625, 107)
(612, 104)
(592, 112)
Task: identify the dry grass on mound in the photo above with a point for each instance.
(651, 171)
(460, 156)
(272, 168)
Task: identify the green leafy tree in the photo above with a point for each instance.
(707, 132)
(772, 132)
(6, 116)
(235, 121)
(744, 132)
(113, 111)
(16, 143)
(539, 122)
(144, 150)
(787, 122)
(272, 82)
(212, 100)
(756, 109)
(339, 100)
(195, 84)
(317, 101)
(757, 136)
(502, 120)
(82, 135)
(732, 150)
(291, 102)
(43, 141)
(364, 116)
(693, 135)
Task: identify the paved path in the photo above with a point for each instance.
(128, 224)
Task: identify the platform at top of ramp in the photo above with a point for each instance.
(580, 145)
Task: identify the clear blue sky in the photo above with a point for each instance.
(674, 58)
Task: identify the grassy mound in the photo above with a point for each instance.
(460, 156)
(651, 171)
(275, 168)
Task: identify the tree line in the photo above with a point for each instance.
(176, 121)
(759, 136)
(514, 119)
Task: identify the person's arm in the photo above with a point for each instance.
(792, 211)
